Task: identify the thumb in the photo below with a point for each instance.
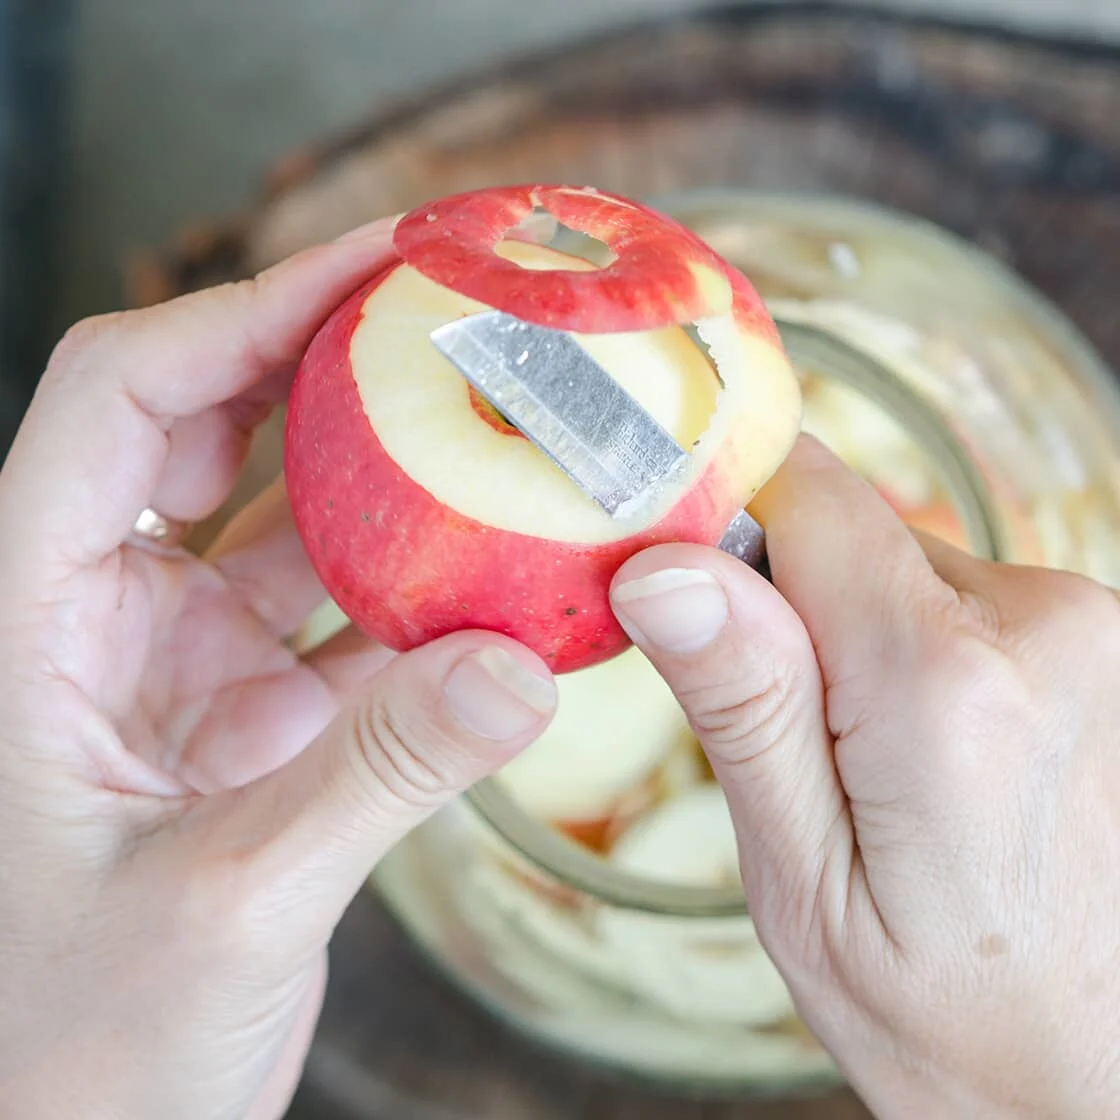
(431, 723)
(742, 666)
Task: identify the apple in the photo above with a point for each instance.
(616, 726)
(874, 444)
(870, 440)
(706, 970)
(425, 512)
(938, 518)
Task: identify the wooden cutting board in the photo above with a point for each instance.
(1008, 141)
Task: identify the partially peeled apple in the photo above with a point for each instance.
(425, 512)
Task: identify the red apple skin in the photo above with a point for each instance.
(406, 569)
(662, 275)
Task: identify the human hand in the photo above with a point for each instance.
(186, 807)
(921, 752)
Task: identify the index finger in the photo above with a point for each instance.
(98, 436)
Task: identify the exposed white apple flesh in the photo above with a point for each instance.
(877, 446)
(868, 439)
(323, 623)
(710, 970)
(495, 476)
(615, 724)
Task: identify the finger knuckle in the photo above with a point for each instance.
(1070, 640)
(254, 288)
(79, 339)
(980, 615)
(743, 714)
(251, 294)
(397, 760)
(1051, 613)
(933, 604)
(968, 687)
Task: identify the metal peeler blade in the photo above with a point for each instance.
(553, 390)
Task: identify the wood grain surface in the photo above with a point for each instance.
(1010, 142)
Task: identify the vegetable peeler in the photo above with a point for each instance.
(558, 396)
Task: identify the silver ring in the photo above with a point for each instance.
(152, 527)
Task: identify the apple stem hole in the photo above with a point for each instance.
(543, 228)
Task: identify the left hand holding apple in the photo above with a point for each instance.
(188, 807)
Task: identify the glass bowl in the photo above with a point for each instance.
(614, 928)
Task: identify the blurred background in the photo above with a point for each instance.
(122, 122)
(148, 146)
